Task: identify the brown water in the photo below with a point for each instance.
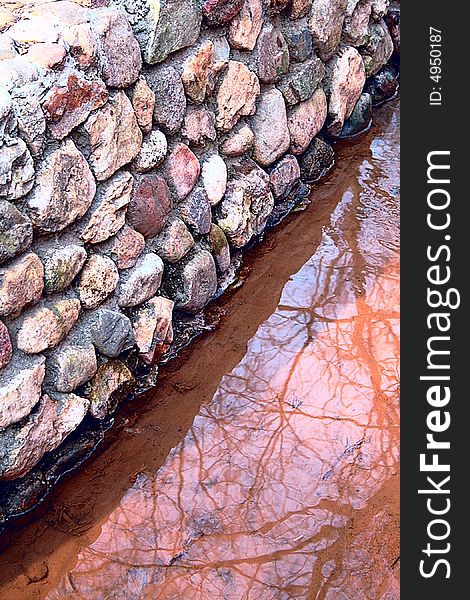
(266, 465)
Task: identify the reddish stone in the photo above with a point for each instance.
(5, 346)
(306, 120)
(183, 169)
(219, 12)
(127, 247)
(69, 105)
(150, 205)
(98, 280)
(21, 283)
(239, 142)
(153, 328)
(277, 6)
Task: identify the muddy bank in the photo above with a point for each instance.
(266, 464)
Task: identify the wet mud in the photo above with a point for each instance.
(265, 464)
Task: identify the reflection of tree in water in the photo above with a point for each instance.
(261, 498)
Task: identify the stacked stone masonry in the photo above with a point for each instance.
(142, 144)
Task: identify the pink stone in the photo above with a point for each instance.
(269, 124)
(239, 142)
(127, 247)
(345, 79)
(21, 283)
(153, 329)
(150, 205)
(199, 126)
(299, 8)
(182, 170)
(45, 327)
(41, 432)
(306, 120)
(112, 136)
(119, 51)
(98, 280)
(237, 95)
(46, 55)
(246, 26)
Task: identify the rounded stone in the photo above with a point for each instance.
(195, 211)
(64, 190)
(16, 231)
(20, 388)
(193, 281)
(71, 365)
(170, 99)
(270, 129)
(150, 205)
(220, 248)
(152, 152)
(111, 332)
(46, 326)
(61, 266)
(127, 245)
(97, 281)
(273, 55)
(214, 178)
(360, 119)
(182, 170)
(21, 283)
(305, 121)
(284, 175)
(316, 161)
(239, 142)
(140, 282)
(174, 241)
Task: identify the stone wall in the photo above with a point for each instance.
(143, 145)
